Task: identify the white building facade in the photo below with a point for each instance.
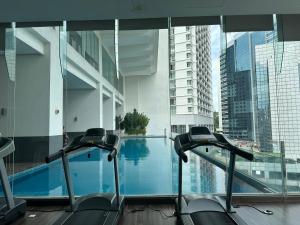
(190, 78)
(89, 94)
(283, 79)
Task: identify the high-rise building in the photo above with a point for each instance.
(190, 78)
(237, 86)
(278, 95)
(259, 101)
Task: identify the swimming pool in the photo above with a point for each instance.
(147, 166)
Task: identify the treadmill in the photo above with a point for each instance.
(10, 208)
(207, 210)
(94, 208)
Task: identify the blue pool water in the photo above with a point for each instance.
(147, 166)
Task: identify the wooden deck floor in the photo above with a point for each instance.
(161, 214)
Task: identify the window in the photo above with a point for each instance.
(188, 28)
(188, 64)
(190, 100)
(173, 101)
(188, 37)
(172, 75)
(172, 83)
(172, 66)
(190, 91)
(75, 41)
(172, 30)
(92, 48)
(188, 46)
(172, 40)
(173, 92)
(86, 43)
(189, 73)
(189, 82)
(190, 109)
(179, 129)
(173, 111)
(188, 55)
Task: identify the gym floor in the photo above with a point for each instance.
(161, 214)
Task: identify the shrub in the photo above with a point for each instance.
(135, 122)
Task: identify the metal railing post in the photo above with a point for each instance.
(283, 168)
(69, 183)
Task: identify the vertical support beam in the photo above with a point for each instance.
(101, 104)
(116, 170)
(109, 112)
(283, 169)
(179, 186)
(66, 166)
(114, 111)
(2, 39)
(5, 184)
(230, 181)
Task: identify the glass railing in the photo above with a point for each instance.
(86, 43)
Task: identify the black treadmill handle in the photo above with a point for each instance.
(246, 155)
(181, 145)
(54, 156)
(224, 143)
(182, 155)
(115, 148)
(112, 154)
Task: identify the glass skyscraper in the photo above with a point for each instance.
(238, 87)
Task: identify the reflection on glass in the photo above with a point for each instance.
(63, 48)
(148, 166)
(10, 51)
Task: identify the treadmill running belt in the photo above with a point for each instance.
(211, 218)
(87, 217)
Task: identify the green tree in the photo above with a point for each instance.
(135, 122)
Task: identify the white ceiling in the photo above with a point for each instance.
(57, 10)
(137, 50)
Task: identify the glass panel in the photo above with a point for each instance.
(245, 85)
(285, 89)
(144, 65)
(38, 104)
(7, 92)
(63, 40)
(194, 95)
(248, 103)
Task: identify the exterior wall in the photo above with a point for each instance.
(190, 77)
(38, 96)
(149, 93)
(93, 98)
(79, 113)
(238, 88)
(284, 92)
(6, 100)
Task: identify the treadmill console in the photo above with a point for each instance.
(201, 135)
(94, 136)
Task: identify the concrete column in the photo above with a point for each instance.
(120, 109)
(187, 128)
(101, 105)
(109, 111)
